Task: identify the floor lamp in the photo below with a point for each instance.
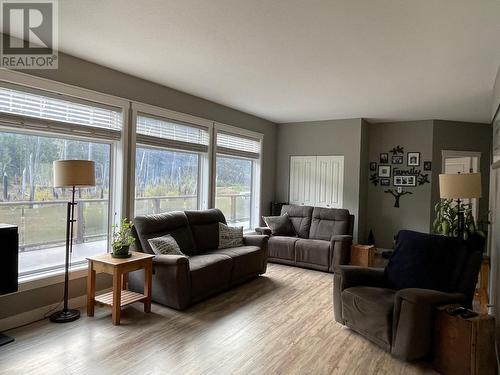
(460, 186)
(71, 174)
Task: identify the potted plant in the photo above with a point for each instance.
(446, 222)
(122, 239)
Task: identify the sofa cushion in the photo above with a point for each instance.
(282, 247)
(327, 222)
(165, 245)
(369, 310)
(280, 225)
(300, 216)
(210, 273)
(428, 261)
(313, 253)
(173, 223)
(247, 261)
(230, 236)
(205, 228)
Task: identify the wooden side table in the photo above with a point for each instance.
(119, 268)
(363, 255)
(464, 346)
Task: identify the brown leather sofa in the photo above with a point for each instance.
(394, 307)
(180, 281)
(324, 238)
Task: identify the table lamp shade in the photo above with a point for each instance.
(460, 185)
(78, 173)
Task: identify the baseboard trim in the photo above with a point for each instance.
(40, 313)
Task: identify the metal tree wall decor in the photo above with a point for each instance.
(393, 171)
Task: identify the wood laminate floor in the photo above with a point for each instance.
(279, 323)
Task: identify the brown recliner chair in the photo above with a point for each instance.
(394, 307)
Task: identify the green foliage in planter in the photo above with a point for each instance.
(122, 235)
(446, 221)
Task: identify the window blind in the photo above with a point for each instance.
(238, 145)
(164, 132)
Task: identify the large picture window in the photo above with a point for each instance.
(35, 131)
(171, 165)
(237, 186)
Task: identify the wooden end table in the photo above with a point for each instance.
(119, 296)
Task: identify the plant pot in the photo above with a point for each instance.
(122, 252)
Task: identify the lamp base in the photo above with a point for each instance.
(4, 339)
(65, 316)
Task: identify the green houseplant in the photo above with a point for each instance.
(122, 239)
(446, 221)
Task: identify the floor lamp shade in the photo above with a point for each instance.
(460, 185)
(78, 173)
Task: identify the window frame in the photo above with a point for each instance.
(119, 153)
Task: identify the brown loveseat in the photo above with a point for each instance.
(324, 238)
(179, 281)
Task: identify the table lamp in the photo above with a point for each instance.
(71, 174)
(460, 186)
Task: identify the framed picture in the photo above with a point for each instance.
(413, 159)
(384, 171)
(384, 158)
(405, 180)
(397, 159)
(373, 166)
(427, 166)
(385, 182)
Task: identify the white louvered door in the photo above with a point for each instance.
(317, 181)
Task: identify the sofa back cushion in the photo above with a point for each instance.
(205, 228)
(327, 222)
(428, 261)
(173, 223)
(300, 216)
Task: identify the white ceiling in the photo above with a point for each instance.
(300, 60)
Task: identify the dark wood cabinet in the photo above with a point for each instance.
(464, 346)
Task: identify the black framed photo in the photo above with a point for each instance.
(405, 180)
(384, 171)
(427, 165)
(373, 166)
(385, 182)
(384, 158)
(397, 159)
(413, 159)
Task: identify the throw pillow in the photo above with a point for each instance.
(165, 245)
(230, 236)
(280, 225)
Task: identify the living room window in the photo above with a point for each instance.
(171, 164)
(36, 128)
(237, 177)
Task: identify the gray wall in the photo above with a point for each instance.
(414, 212)
(333, 137)
(462, 136)
(84, 74)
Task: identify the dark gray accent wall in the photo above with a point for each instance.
(414, 212)
(462, 136)
(332, 137)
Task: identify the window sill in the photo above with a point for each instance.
(50, 278)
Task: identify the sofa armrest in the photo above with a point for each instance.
(351, 276)
(264, 230)
(413, 320)
(172, 280)
(341, 250)
(260, 241)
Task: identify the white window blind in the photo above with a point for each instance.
(33, 109)
(238, 145)
(169, 133)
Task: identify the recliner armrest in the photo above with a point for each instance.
(259, 240)
(341, 250)
(170, 260)
(351, 276)
(413, 320)
(264, 230)
(341, 237)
